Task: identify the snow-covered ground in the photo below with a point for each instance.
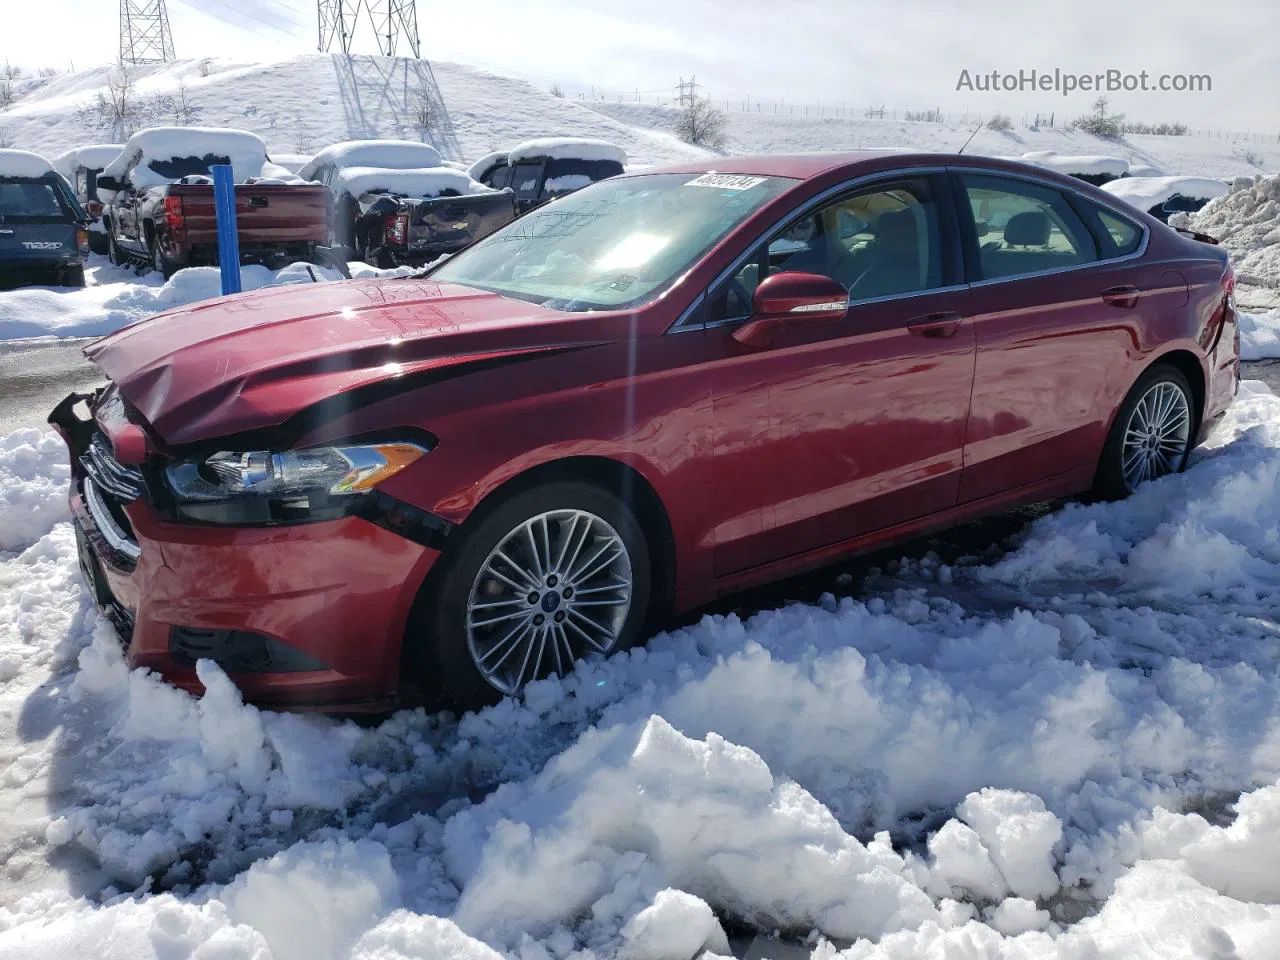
(1072, 750)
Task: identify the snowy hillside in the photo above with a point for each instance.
(305, 103)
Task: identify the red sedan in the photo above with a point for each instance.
(654, 391)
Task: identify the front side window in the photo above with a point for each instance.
(880, 241)
(613, 244)
(1024, 228)
(499, 177)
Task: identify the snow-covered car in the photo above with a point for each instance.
(1094, 169)
(1162, 196)
(541, 170)
(399, 202)
(81, 166)
(158, 201)
(43, 228)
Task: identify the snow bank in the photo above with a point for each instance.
(481, 166)
(1147, 192)
(92, 156)
(427, 182)
(1246, 220)
(33, 486)
(1084, 165)
(23, 163)
(384, 154)
(566, 148)
(246, 151)
(1260, 335)
(100, 309)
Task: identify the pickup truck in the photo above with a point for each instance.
(541, 170)
(158, 201)
(397, 202)
(42, 225)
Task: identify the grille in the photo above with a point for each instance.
(120, 482)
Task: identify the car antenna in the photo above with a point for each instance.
(981, 124)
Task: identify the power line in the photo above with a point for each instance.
(190, 4)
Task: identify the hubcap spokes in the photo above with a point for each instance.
(556, 588)
(1157, 435)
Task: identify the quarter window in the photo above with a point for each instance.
(525, 179)
(879, 241)
(1024, 228)
(1124, 234)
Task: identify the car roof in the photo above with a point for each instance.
(806, 166)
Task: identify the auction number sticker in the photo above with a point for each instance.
(724, 181)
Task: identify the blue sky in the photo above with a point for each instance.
(906, 54)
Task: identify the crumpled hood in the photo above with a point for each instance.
(252, 360)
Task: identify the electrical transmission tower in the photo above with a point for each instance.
(686, 92)
(144, 32)
(391, 20)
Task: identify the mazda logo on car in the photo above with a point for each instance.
(42, 245)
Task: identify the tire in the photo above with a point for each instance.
(159, 262)
(1173, 439)
(447, 639)
(113, 251)
(73, 276)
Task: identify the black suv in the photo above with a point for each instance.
(44, 234)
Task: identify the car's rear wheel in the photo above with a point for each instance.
(1152, 436)
(113, 251)
(72, 276)
(162, 264)
(554, 574)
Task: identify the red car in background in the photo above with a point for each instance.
(657, 390)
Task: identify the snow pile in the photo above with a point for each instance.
(33, 486)
(566, 148)
(1032, 758)
(425, 183)
(100, 309)
(1247, 222)
(23, 163)
(246, 152)
(94, 156)
(1076, 166)
(383, 154)
(1260, 335)
(1147, 192)
(293, 162)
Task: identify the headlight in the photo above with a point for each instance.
(263, 486)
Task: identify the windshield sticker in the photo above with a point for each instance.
(725, 181)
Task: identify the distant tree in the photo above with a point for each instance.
(5, 140)
(422, 112)
(702, 124)
(925, 116)
(118, 110)
(1100, 123)
(1000, 123)
(183, 112)
(206, 67)
(7, 92)
(557, 91)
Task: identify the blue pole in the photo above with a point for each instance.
(224, 207)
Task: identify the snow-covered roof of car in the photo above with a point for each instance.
(481, 166)
(246, 151)
(293, 162)
(566, 148)
(91, 156)
(425, 182)
(385, 154)
(23, 163)
(1082, 165)
(1147, 192)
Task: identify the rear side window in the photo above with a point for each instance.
(1023, 228)
(499, 177)
(23, 200)
(525, 179)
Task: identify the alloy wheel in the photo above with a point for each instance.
(556, 588)
(1156, 439)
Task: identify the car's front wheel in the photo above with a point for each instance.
(1153, 433)
(554, 574)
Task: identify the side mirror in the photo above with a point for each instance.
(791, 297)
(110, 183)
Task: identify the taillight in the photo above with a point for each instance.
(397, 229)
(173, 212)
(82, 240)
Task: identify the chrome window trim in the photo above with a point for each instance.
(681, 325)
(118, 539)
(866, 179)
(1049, 184)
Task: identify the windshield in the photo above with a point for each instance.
(614, 244)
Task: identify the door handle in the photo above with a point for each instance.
(1122, 296)
(936, 326)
